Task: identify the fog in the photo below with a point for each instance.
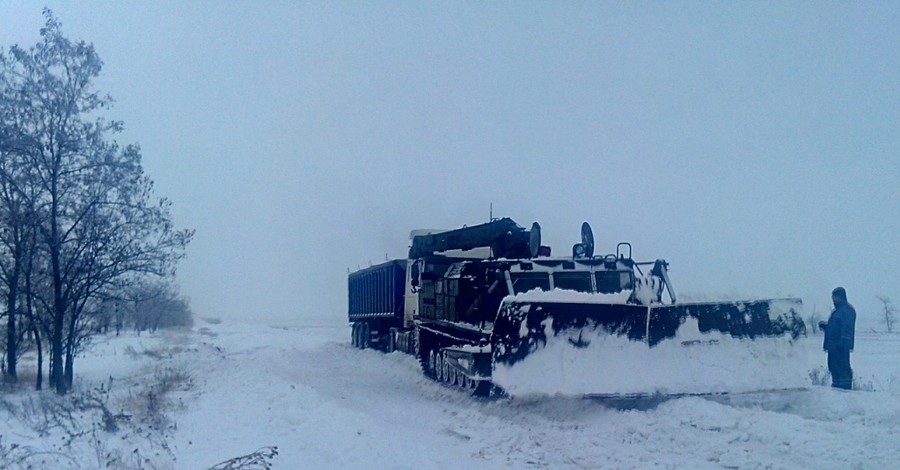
(752, 145)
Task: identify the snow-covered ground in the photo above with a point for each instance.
(327, 405)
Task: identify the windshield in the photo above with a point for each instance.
(610, 282)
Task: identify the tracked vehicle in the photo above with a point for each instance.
(488, 309)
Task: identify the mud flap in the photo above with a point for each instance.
(560, 348)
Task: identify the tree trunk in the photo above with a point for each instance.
(71, 340)
(57, 347)
(32, 320)
(39, 381)
(12, 336)
(50, 370)
(69, 372)
(56, 359)
(59, 305)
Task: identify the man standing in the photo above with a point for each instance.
(839, 332)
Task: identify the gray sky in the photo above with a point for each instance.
(754, 145)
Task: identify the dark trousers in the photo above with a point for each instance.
(839, 366)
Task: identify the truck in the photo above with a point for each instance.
(488, 309)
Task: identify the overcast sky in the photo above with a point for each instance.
(754, 145)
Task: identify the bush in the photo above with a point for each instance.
(259, 460)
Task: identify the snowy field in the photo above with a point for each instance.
(234, 389)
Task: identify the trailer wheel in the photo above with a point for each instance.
(365, 336)
(357, 335)
(353, 329)
(392, 342)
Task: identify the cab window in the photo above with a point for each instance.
(524, 282)
(580, 282)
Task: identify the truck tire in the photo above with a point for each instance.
(448, 371)
(430, 367)
(421, 347)
(439, 366)
(465, 381)
(354, 335)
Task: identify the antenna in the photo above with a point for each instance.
(491, 230)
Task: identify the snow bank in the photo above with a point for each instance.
(329, 406)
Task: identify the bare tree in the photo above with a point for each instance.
(148, 305)
(97, 223)
(17, 249)
(158, 305)
(888, 311)
(17, 219)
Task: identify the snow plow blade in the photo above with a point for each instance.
(606, 349)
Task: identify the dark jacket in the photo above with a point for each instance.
(841, 327)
